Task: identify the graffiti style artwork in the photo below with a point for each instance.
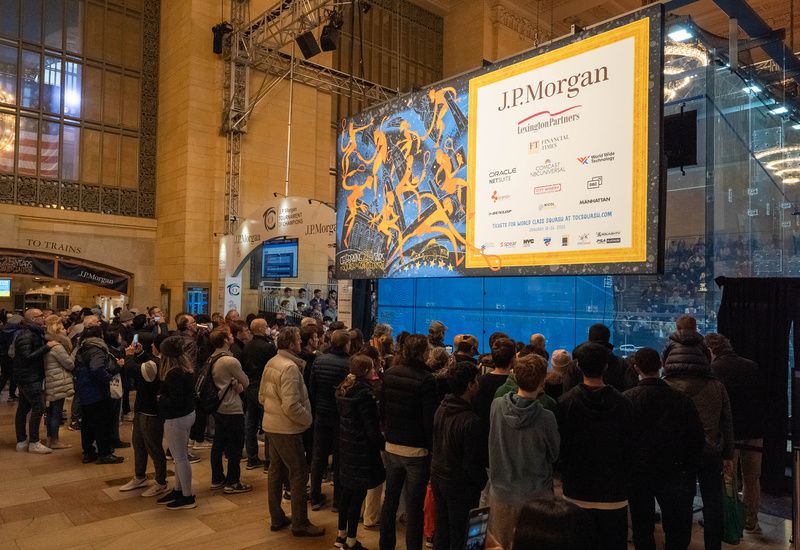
(401, 207)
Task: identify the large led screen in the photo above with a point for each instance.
(547, 163)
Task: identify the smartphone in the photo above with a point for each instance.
(157, 319)
(477, 526)
(135, 339)
(449, 349)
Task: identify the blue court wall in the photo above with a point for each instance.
(561, 308)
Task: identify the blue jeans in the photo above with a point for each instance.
(54, 415)
(414, 474)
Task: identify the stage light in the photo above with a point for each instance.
(364, 5)
(308, 44)
(680, 34)
(329, 39)
(781, 110)
(751, 89)
(220, 30)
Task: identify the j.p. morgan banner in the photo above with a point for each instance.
(92, 276)
(544, 164)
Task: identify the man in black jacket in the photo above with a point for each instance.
(668, 444)
(595, 424)
(466, 348)
(29, 351)
(617, 373)
(256, 353)
(408, 404)
(328, 371)
(747, 393)
(458, 472)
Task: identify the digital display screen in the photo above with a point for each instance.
(279, 259)
(5, 288)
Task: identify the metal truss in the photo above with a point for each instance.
(256, 44)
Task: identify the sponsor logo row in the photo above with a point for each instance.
(583, 239)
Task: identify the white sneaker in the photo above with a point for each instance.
(134, 483)
(39, 449)
(202, 445)
(154, 490)
(22, 446)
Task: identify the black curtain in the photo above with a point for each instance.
(362, 306)
(757, 316)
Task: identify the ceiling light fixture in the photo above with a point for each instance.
(680, 34)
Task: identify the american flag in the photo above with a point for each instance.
(32, 151)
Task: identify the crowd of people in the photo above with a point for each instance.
(562, 447)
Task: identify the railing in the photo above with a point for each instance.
(270, 294)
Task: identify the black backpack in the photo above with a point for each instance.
(206, 394)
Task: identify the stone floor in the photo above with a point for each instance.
(54, 501)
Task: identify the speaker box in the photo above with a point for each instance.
(308, 44)
(329, 38)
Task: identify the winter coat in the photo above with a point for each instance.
(712, 403)
(58, 366)
(94, 368)
(668, 436)
(257, 352)
(523, 446)
(458, 443)
(686, 353)
(360, 439)
(747, 393)
(596, 435)
(283, 395)
(328, 371)
(29, 351)
(408, 403)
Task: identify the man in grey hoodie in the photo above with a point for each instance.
(523, 445)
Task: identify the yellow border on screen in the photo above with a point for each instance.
(640, 31)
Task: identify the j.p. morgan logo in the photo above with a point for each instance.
(282, 218)
(547, 168)
(234, 289)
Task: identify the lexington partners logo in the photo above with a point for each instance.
(495, 196)
(549, 120)
(548, 168)
(546, 144)
(501, 176)
(595, 159)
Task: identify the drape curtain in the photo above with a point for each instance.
(757, 316)
(362, 306)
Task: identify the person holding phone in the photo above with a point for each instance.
(458, 472)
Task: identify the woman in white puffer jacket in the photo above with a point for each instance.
(58, 365)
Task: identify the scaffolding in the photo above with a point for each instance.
(257, 44)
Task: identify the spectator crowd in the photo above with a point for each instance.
(567, 449)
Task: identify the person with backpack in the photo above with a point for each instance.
(229, 381)
(94, 368)
(176, 404)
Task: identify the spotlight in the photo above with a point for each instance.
(680, 34)
(308, 44)
(329, 39)
(780, 110)
(364, 6)
(220, 30)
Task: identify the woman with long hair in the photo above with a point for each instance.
(58, 366)
(553, 524)
(176, 406)
(360, 446)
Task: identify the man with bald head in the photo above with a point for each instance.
(29, 351)
(256, 353)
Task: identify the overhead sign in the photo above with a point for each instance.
(92, 276)
(547, 163)
(13, 264)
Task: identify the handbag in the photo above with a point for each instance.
(115, 387)
(732, 511)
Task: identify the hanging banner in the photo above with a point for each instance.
(92, 276)
(547, 163)
(233, 293)
(11, 264)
